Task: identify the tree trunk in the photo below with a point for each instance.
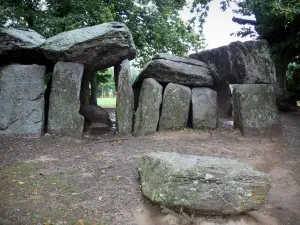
(280, 87)
(94, 89)
(116, 75)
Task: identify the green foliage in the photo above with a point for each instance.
(293, 81)
(155, 25)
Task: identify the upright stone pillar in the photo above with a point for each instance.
(22, 100)
(64, 104)
(125, 101)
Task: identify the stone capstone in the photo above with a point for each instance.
(21, 46)
(204, 108)
(22, 100)
(125, 101)
(166, 68)
(255, 111)
(64, 104)
(147, 114)
(202, 185)
(97, 47)
(175, 107)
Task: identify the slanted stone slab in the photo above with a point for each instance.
(202, 185)
(97, 47)
(255, 111)
(125, 101)
(64, 104)
(147, 114)
(22, 101)
(20, 46)
(166, 68)
(175, 107)
(204, 106)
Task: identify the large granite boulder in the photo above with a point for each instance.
(238, 63)
(22, 100)
(64, 104)
(175, 107)
(147, 114)
(125, 101)
(255, 111)
(204, 108)
(97, 47)
(95, 114)
(166, 68)
(20, 46)
(202, 185)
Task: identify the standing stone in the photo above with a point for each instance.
(255, 111)
(22, 100)
(204, 104)
(125, 101)
(202, 185)
(175, 109)
(147, 114)
(64, 117)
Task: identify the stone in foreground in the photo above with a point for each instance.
(202, 185)
(97, 47)
(64, 104)
(22, 100)
(255, 111)
(147, 114)
(204, 106)
(175, 107)
(125, 101)
(166, 68)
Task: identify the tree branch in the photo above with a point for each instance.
(244, 21)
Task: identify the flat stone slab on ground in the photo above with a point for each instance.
(22, 100)
(255, 110)
(202, 185)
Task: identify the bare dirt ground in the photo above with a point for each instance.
(64, 180)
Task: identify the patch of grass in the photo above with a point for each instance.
(107, 102)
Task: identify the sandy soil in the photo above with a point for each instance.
(64, 180)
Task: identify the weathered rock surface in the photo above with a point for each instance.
(20, 46)
(97, 47)
(125, 101)
(238, 63)
(64, 117)
(22, 100)
(95, 114)
(147, 114)
(166, 68)
(175, 107)
(255, 111)
(202, 185)
(204, 106)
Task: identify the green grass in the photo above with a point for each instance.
(107, 102)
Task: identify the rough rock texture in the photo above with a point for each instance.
(238, 63)
(64, 117)
(147, 114)
(175, 107)
(202, 185)
(125, 101)
(95, 114)
(204, 106)
(96, 47)
(20, 46)
(166, 68)
(255, 111)
(22, 100)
